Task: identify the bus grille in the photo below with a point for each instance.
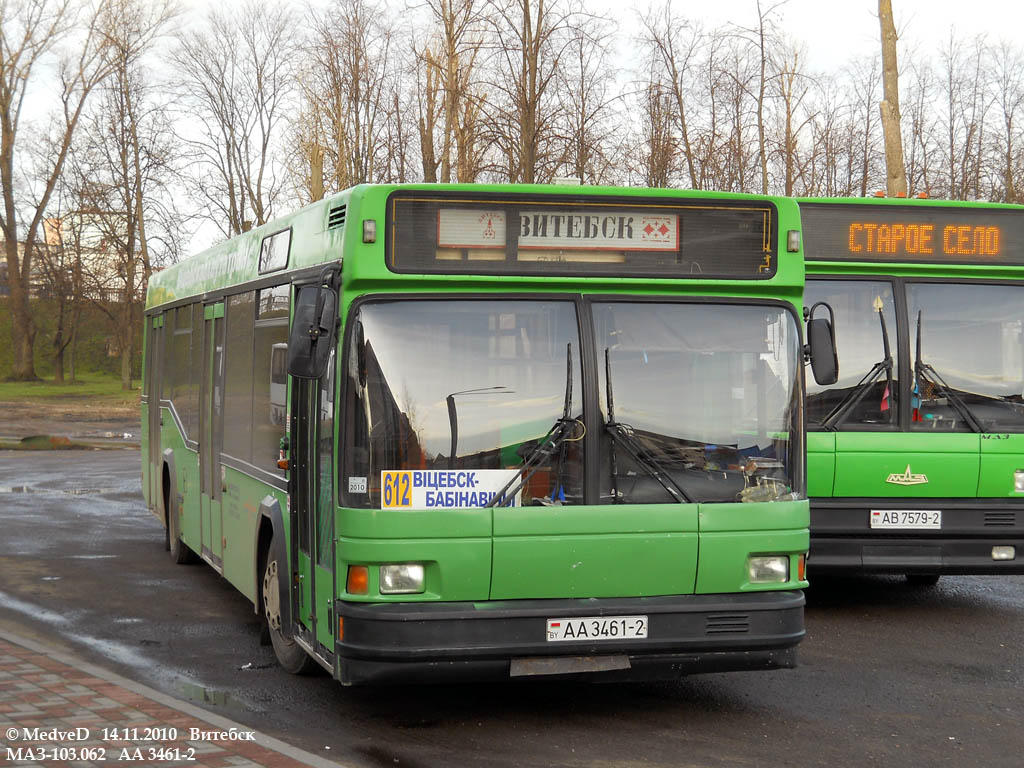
(336, 217)
(1000, 519)
(728, 623)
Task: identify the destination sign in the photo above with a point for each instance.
(920, 233)
(583, 235)
(445, 488)
(566, 230)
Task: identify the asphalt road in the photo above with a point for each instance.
(889, 674)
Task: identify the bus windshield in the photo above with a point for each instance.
(702, 403)
(972, 345)
(464, 384)
(707, 393)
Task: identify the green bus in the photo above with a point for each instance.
(471, 431)
(916, 454)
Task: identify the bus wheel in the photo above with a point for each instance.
(922, 579)
(290, 655)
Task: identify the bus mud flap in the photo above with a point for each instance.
(567, 665)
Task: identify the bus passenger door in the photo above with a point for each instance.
(155, 373)
(312, 493)
(211, 433)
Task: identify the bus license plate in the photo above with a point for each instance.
(906, 518)
(598, 628)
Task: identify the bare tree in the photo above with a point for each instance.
(349, 92)
(657, 153)
(589, 103)
(529, 38)
(965, 104)
(672, 46)
(924, 146)
(31, 30)
(238, 82)
(1008, 75)
(790, 87)
(449, 63)
(129, 168)
(896, 173)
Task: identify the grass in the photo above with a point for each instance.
(95, 389)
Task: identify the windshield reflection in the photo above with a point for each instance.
(865, 315)
(972, 337)
(707, 393)
(450, 385)
(704, 399)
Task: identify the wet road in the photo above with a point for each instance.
(889, 674)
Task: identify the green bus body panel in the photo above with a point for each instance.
(325, 591)
(613, 518)
(594, 551)
(723, 559)
(599, 565)
(865, 461)
(1001, 455)
(454, 568)
(414, 524)
(731, 533)
(239, 517)
(821, 463)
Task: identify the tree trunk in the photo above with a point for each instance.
(895, 172)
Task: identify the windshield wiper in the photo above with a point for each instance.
(925, 372)
(845, 407)
(622, 437)
(553, 441)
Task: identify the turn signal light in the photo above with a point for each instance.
(341, 628)
(801, 568)
(358, 581)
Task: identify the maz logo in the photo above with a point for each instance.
(907, 478)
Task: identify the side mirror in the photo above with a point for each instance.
(821, 346)
(312, 335)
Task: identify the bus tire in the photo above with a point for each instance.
(180, 552)
(922, 579)
(290, 655)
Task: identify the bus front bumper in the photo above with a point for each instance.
(842, 540)
(687, 634)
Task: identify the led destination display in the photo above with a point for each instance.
(912, 233)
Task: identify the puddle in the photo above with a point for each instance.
(69, 491)
(203, 695)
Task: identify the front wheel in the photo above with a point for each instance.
(290, 655)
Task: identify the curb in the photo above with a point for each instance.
(262, 739)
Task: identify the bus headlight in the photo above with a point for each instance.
(772, 569)
(401, 579)
(1018, 481)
